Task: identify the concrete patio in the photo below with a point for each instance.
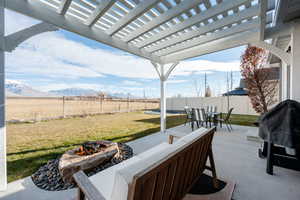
(235, 157)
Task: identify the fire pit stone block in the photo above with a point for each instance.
(70, 162)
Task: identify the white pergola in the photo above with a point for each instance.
(162, 31)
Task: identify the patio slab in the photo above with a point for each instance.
(235, 157)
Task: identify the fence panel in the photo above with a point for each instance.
(241, 104)
(36, 109)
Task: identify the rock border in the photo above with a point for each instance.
(47, 177)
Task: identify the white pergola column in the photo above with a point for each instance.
(295, 63)
(163, 102)
(3, 174)
(8, 44)
(285, 81)
(163, 76)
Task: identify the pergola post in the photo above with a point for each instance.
(3, 174)
(295, 63)
(163, 102)
(163, 76)
(8, 44)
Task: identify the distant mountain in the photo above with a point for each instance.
(74, 92)
(15, 88)
(122, 95)
(10, 94)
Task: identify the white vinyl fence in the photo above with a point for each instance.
(241, 104)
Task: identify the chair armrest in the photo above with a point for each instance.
(86, 188)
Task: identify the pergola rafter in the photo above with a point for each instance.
(99, 11)
(175, 11)
(134, 14)
(64, 6)
(209, 13)
(206, 29)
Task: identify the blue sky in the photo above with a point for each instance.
(59, 60)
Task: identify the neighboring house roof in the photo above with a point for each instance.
(236, 92)
(242, 91)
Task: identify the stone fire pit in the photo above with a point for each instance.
(91, 157)
(86, 157)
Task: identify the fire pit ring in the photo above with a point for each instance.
(49, 177)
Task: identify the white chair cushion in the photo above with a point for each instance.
(193, 135)
(159, 148)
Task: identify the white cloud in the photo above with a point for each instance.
(130, 83)
(10, 81)
(54, 56)
(204, 66)
(176, 81)
(61, 86)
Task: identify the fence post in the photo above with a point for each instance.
(64, 114)
(128, 104)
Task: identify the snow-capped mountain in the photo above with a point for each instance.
(16, 88)
(74, 92)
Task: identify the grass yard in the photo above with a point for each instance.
(244, 120)
(32, 145)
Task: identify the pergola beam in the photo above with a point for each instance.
(253, 24)
(168, 15)
(14, 39)
(136, 12)
(208, 28)
(278, 31)
(36, 10)
(211, 47)
(263, 4)
(64, 6)
(226, 5)
(99, 11)
(284, 56)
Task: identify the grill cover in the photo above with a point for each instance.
(282, 123)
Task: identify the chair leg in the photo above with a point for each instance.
(213, 168)
(227, 126)
(230, 126)
(192, 125)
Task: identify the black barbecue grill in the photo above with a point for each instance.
(280, 130)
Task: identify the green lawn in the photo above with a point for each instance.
(244, 120)
(32, 145)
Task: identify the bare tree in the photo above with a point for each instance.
(197, 88)
(261, 89)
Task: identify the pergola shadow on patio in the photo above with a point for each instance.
(165, 32)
